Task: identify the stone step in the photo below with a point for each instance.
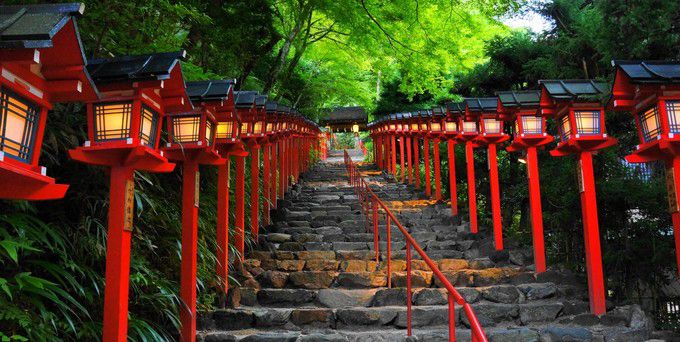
(382, 296)
(428, 316)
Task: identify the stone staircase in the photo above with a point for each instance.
(314, 277)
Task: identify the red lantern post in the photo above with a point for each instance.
(484, 110)
(650, 90)
(217, 96)
(451, 132)
(191, 137)
(40, 65)
(468, 132)
(406, 128)
(529, 134)
(436, 132)
(123, 134)
(580, 119)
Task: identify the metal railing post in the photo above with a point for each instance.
(408, 288)
(389, 251)
(452, 319)
(376, 234)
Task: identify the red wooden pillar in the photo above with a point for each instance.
(536, 210)
(437, 172)
(187, 311)
(426, 157)
(472, 193)
(495, 198)
(410, 160)
(240, 222)
(273, 187)
(394, 156)
(402, 159)
(222, 238)
(451, 146)
(282, 162)
(673, 167)
(416, 161)
(266, 177)
(387, 157)
(255, 190)
(117, 257)
(381, 148)
(592, 235)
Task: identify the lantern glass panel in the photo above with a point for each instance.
(492, 126)
(469, 127)
(649, 121)
(270, 127)
(185, 129)
(423, 127)
(258, 127)
(673, 111)
(355, 128)
(112, 121)
(532, 124)
(18, 125)
(436, 127)
(209, 132)
(587, 122)
(392, 127)
(414, 127)
(244, 128)
(225, 130)
(565, 128)
(451, 126)
(148, 126)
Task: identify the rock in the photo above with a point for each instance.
(278, 237)
(452, 264)
(355, 255)
(489, 276)
(292, 297)
(284, 255)
(322, 337)
(490, 314)
(418, 279)
(389, 297)
(395, 265)
(626, 335)
(315, 317)
(481, 263)
(430, 297)
(470, 294)
(507, 294)
(274, 279)
(302, 238)
(271, 317)
(339, 298)
(585, 319)
(312, 279)
(233, 319)
(322, 265)
(291, 246)
(366, 316)
(290, 265)
(514, 335)
(219, 337)
(424, 316)
(535, 291)
(272, 337)
(362, 279)
(564, 333)
(539, 312)
(248, 295)
(316, 255)
(353, 266)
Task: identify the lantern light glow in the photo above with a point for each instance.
(18, 123)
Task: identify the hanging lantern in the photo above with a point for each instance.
(40, 65)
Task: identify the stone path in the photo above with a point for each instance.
(314, 277)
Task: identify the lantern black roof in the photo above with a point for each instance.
(589, 90)
(155, 66)
(33, 26)
(482, 104)
(344, 115)
(521, 98)
(650, 71)
(215, 90)
(456, 107)
(271, 107)
(283, 109)
(438, 111)
(244, 99)
(261, 100)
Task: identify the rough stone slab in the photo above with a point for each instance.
(312, 279)
(340, 298)
(366, 316)
(356, 280)
(285, 297)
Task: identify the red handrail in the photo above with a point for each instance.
(370, 201)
